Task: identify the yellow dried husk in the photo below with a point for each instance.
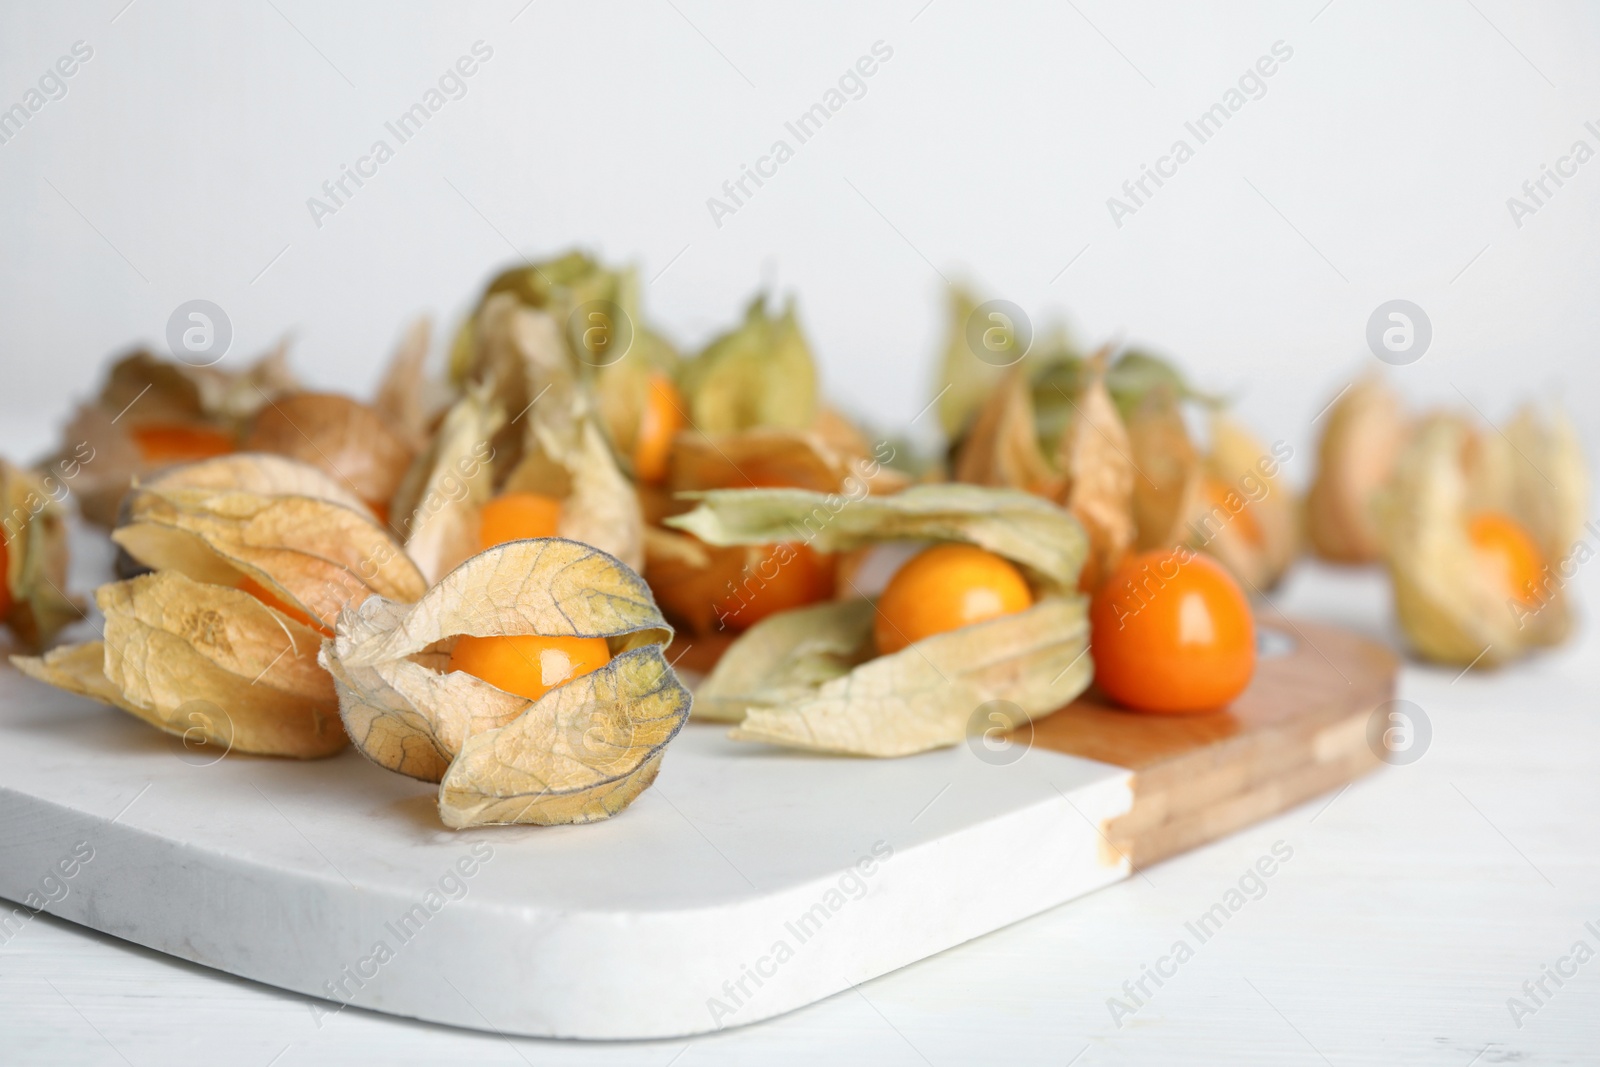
(808, 679)
(262, 473)
(1449, 605)
(312, 554)
(203, 661)
(34, 529)
(403, 399)
(1365, 430)
(437, 505)
(1166, 489)
(581, 752)
(554, 444)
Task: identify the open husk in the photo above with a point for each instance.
(144, 392)
(557, 446)
(34, 529)
(581, 752)
(1450, 605)
(808, 678)
(1366, 429)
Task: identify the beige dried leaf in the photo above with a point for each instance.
(201, 660)
(580, 752)
(402, 394)
(34, 531)
(346, 439)
(262, 473)
(1094, 459)
(437, 505)
(1166, 487)
(1002, 447)
(564, 453)
(1365, 430)
(314, 555)
(802, 459)
(923, 696)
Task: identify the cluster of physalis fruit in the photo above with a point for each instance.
(488, 578)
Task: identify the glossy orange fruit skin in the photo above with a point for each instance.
(786, 576)
(1507, 551)
(1171, 632)
(180, 444)
(517, 517)
(944, 588)
(528, 665)
(659, 422)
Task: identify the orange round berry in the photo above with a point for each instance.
(528, 665)
(944, 588)
(1171, 631)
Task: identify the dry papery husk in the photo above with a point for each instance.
(809, 678)
(759, 374)
(1450, 607)
(554, 444)
(436, 508)
(1252, 525)
(407, 399)
(580, 753)
(1168, 470)
(558, 287)
(688, 575)
(1091, 474)
(188, 651)
(203, 661)
(143, 390)
(313, 554)
(1365, 431)
(34, 528)
(344, 438)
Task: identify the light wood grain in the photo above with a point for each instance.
(1298, 730)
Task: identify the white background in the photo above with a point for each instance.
(1377, 166)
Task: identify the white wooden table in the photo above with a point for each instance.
(1415, 904)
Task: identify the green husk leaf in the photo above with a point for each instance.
(759, 374)
(924, 696)
(1016, 525)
